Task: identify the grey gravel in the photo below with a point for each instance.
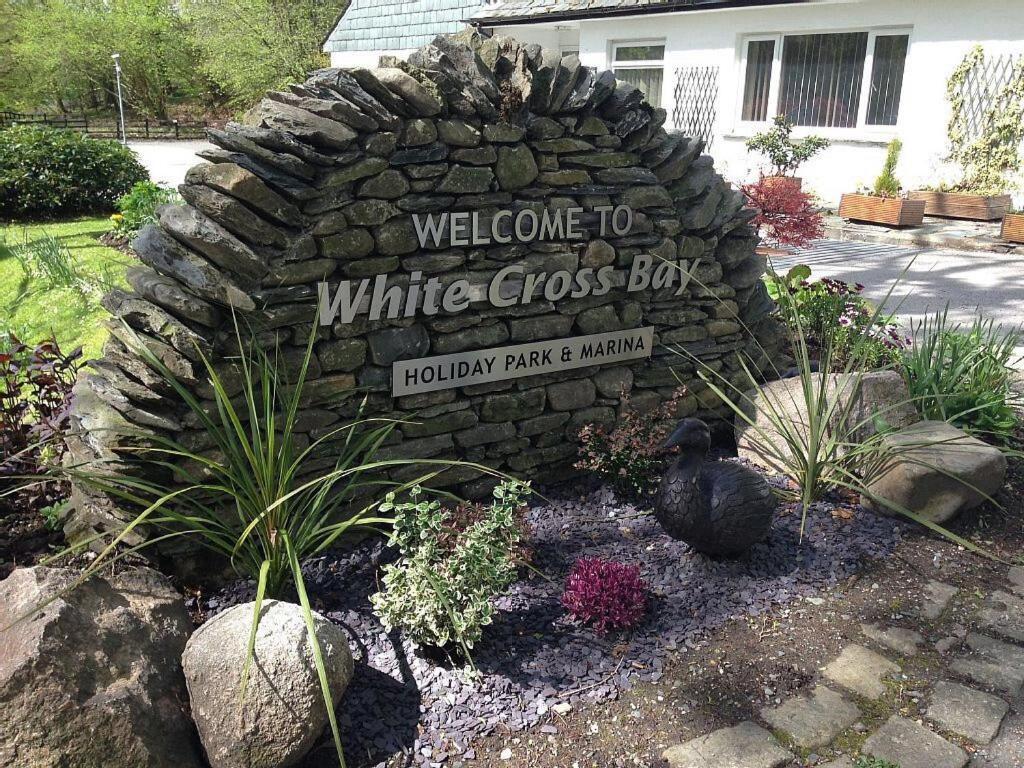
(533, 657)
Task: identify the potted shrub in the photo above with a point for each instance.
(784, 153)
(883, 204)
(985, 146)
(1013, 226)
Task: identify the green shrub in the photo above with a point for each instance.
(440, 591)
(964, 374)
(138, 208)
(45, 173)
(784, 153)
(887, 185)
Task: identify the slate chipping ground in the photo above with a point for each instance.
(894, 630)
(533, 660)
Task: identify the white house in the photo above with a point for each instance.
(859, 72)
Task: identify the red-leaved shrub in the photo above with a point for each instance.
(629, 455)
(786, 215)
(604, 593)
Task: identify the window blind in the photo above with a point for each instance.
(822, 76)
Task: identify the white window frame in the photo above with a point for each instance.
(638, 63)
(880, 132)
(614, 46)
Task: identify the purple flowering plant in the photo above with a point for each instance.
(605, 594)
(834, 312)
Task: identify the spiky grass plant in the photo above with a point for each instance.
(246, 498)
(47, 259)
(963, 374)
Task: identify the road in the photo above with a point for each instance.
(167, 161)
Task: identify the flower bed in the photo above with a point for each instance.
(534, 656)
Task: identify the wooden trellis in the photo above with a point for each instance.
(982, 86)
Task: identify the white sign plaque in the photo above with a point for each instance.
(480, 366)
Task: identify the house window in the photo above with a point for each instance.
(760, 59)
(833, 80)
(887, 79)
(642, 65)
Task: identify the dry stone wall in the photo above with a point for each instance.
(322, 183)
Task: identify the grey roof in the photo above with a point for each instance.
(376, 25)
(508, 11)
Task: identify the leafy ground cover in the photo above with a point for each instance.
(40, 295)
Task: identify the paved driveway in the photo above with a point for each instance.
(167, 161)
(925, 279)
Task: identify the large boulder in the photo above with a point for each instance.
(935, 470)
(859, 403)
(283, 713)
(93, 678)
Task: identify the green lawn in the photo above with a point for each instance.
(34, 306)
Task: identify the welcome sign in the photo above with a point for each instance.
(510, 286)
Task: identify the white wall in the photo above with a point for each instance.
(941, 33)
(367, 59)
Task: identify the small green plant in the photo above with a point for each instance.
(53, 516)
(964, 374)
(873, 762)
(440, 592)
(887, 185)
(784, 153)
(46, 172)
(138, 207)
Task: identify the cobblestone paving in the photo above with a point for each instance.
(973, 717)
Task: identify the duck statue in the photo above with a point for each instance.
(717, 507)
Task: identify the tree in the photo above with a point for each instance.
(59, 53)
(252, 46)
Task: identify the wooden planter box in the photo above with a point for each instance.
(890, 211)
(771, 181)
(956, 205)
(1013, 228)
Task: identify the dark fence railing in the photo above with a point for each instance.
(109, 128)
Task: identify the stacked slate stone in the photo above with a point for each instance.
(322, 181)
